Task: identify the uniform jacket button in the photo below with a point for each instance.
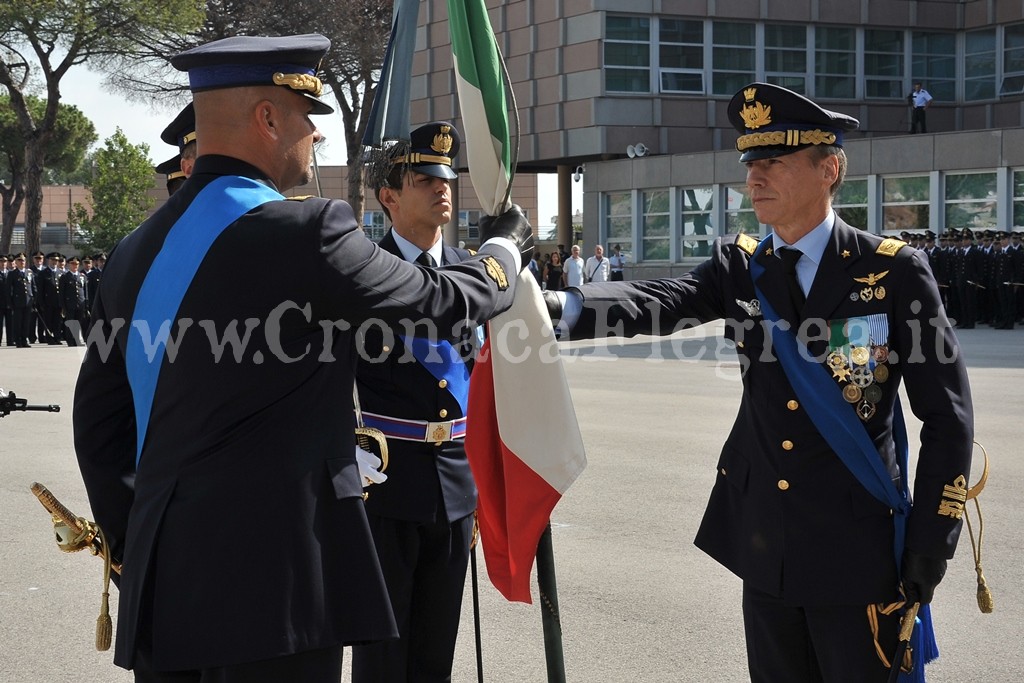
(443, 383)
(783, 485)
(443, 413)
(787, 445)
(792, 405)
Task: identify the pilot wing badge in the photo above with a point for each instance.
(752, 307)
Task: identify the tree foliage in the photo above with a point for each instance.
(358, 30)
(119, 188)
(41, 39)
(73, 135)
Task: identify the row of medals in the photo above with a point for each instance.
(859, 380)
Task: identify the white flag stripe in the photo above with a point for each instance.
(544, 434)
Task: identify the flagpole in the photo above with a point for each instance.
(553, 653)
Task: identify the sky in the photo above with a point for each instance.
(142, 123)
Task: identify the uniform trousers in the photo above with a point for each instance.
(312, 666)
(817, 644)
(424, 567)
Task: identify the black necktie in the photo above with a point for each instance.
(425, 259)
(789, 258)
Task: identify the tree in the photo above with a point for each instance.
(358, 30)
(33, 35)
(73, 135)
(120, 199)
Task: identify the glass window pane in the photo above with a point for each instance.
(852, 192)
(626, 54)
(785, 36)
(970, 186)
(727, 33)
(627, 28)
(619, 219)
(682, 82)
(912, 218)
(681, 57)
(681, 31)
(835, 39)
(627, 80)
(654, 227)
(909, 189)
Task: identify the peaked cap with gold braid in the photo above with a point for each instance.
(287, 61)
(432, 150)
(774, 121)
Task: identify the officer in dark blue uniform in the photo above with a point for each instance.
(216, 437)
(173, 175)
(422, 516)
(21, 293)
(793, 512)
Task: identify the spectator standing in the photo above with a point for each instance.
(919, 100)
(573, 267)
(598, 267)
(618, 262)
(554, 275)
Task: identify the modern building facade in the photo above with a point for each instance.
(633, 96)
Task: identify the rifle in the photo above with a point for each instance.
(10, 403)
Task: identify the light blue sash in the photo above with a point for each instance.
(217, 206)
(443, 362)
(847, 436)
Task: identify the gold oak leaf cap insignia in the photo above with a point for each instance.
(774, 121)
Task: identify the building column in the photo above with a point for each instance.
(564, 224)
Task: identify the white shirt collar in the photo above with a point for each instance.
(411, 252)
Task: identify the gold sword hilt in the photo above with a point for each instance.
(83, 533)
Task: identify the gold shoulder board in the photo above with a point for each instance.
(746, 243)
(300, 197)
(890, 246)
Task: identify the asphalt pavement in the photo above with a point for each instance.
(638, 602)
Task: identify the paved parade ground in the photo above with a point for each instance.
(638, 601)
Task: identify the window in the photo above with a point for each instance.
(374, 225)
(681, 55)
(1013, 61)
(1018, 199)
(733, 56)
(785, 56)
(970, 200)
(980, 65)
(883, 64)
(618, 227)
(905, 204)
(934, 64)
(469, 224)
(851, 203)
(739, 213)
(654, 225)
(698, 223)
(627, 54)
(835, 62)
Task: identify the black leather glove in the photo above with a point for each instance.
(554, 305)
(511, 225)
(920, 576)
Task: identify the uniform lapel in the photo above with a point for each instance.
(773, 285)
(832, 282)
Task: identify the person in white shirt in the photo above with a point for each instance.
(920, 100)
(598, 267)
(618, 262)
(574, 268)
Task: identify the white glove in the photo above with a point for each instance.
(368, 468)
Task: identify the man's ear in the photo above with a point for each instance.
(388, 196)
(266, 119)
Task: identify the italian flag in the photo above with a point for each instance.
(522, 438)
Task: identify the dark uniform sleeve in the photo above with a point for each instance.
(104, 431)
(935, 378)
(659, 307)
